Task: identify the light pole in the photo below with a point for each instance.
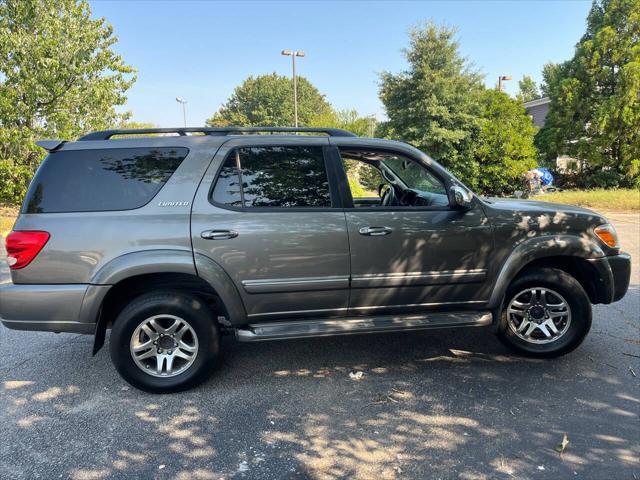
(502, 78)
(372, 125)
(183, 102)
(293, 54)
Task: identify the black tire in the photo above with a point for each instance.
(193, 311)
(574, 295)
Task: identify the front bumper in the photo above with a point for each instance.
(51, 308)
(621, 270)
(614, 274)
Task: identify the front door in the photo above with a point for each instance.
(267, 213)
(410, 250)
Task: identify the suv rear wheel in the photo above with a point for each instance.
(546, 313)
(164, 341)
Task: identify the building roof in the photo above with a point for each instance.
(537, 102)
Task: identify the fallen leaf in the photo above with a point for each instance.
(562, 446)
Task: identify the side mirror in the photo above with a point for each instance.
(461, 197)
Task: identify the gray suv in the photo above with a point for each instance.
(174, 237)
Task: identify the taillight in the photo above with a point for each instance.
(22, 247)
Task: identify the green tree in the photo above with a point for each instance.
(435, 103)
(59, 77)
(527, 89)
(504, 149)
(348, 120)
(267, 100)
(595, 96)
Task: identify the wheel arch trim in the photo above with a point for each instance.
(159, 262)
(541, 247)
(144, 262)
(212, 273)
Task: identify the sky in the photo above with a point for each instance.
(202, 50)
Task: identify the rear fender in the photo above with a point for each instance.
(163, 261)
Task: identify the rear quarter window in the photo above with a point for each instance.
(101, 180)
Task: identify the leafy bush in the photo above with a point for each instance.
(14, 180)
(356, 189)
(594, 177)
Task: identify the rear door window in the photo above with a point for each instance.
(281, 177)
(101, 180)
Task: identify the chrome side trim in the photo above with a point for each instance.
(347, 326)
(305, 284)
(379, 280)
(297, 312)
(369, 307)
(435, 304)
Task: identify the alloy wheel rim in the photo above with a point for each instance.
(164, 345)
(539, 315)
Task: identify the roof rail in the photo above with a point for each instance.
(216, 131)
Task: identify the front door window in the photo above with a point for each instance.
(388, 179)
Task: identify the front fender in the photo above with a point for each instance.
(540, 247)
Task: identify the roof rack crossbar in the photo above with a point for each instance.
(216, 131)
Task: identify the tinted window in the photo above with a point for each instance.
(227, 188)
(98, 180)
(275, 177)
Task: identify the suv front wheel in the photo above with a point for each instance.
(546, 313)
(164, 342)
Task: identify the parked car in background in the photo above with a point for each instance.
(173, 241)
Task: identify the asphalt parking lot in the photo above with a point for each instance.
(449, 404)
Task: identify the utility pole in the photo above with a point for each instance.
(293, 54)
(183, 102)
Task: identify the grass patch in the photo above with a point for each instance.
(8, 214)
(620, 200)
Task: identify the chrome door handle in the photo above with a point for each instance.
(218, 234)
(375, 231)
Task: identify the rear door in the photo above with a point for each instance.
(268, 213)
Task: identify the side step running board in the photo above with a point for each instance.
(347, 326)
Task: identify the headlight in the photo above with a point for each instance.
(607, 234)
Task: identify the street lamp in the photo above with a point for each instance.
(502, 78)
(183, 102)
(293, 54)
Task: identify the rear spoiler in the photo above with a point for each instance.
(50, 145)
